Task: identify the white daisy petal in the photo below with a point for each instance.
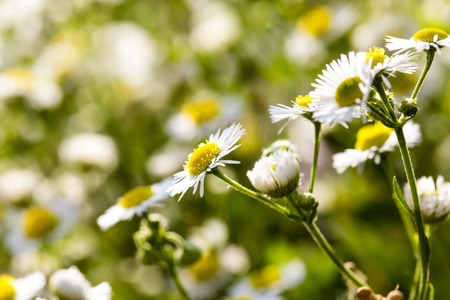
(327, 105)
(423, 40)
(205, 158)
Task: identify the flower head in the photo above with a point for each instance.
(72, 285)
(385, 66)
(206, 157)
(299, 107)
(422, 40)
(218, 263)
(434, 198)
(134, 202)
(25, 288)
(371, 141)
(342, 89)
(277, 173)
(39, 224)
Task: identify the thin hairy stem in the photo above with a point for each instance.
(424, 250)
(317, 130)
(430, 57)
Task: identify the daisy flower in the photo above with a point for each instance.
(277, 173)
(71, 284)
(135, 202)
(342, 89)
(371, 141)
(299, 107)
(422, 40)
(245, 290)
(384, 66)
(24, 288)
(218, 263)
(434, 198)
(206, 157)
(40, 224)
(198, 116)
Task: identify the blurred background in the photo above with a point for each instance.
(100, 96)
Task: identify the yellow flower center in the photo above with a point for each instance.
(317, 20)
(201, 158)
(135, 196)
(265, 277)
(427, 35)
(39, 222)
(206, 267)
(372, 135)
(7, 291)
(348, 92)
(377, 55)
(303, 101)
(202, 110)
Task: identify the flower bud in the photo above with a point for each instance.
(188, 255)
(408, 107)
(147, 255)
(395, 295)
(307, 201)
(277, 173)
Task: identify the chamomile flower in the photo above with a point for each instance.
(206, 157)
(371, 141)
(218, 263)
(134, 202)
(277, 173)
(245, 290)
(300, 107)
(24, 288)
(269, 282)
(71, 284)
(198, 116)
(342, 89)
(434, 198)
(385, 66)
(422, 40)
(41, 224)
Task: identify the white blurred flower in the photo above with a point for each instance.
(17, 184)
(127, 54)
(342, 89)
(41, 92)
(90, 149)
(135, 202)
(276, 174)
(434, 199)
(371, 141)
(219, 261)
(215, 26)
(269, 282)
(203, 114)
(40, 224)
(166, 160)
(23, 288)
(71, 284)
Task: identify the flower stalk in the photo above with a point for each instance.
(317, 130)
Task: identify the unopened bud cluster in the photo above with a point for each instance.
(154, 244)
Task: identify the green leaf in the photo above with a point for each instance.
(400, 198)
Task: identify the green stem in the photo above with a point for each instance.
(378, 84)
(416, 280)
(320, 239)
(430, 57)
(323, 244)
(424, 250)
(317, 129)
(173, 273)
(248, 192)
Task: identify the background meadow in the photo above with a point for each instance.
(98, 97)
